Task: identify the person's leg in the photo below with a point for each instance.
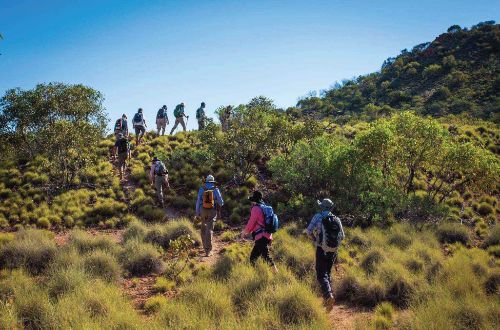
(175, 125)
(322, 263)
(183, 124)
(158, 126)
(256, 251)
(265, 252)
(163, 126)
(159, 189)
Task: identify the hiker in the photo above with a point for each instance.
(139, 125)
(260, 233)
(161, 120)
(326, 231)
(208, 206)
(158, 175)
(122, 149)
(225, 116)
(179, 117)
(121, 126)
(201, 117)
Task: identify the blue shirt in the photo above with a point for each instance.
(315, 227)
(217, 196)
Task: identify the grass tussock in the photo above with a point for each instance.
(31, 250)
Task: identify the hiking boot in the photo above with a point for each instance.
(208, 253)
(328, 303)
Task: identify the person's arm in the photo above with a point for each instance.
(219, 201)
(312, 225)
(341, 233)
(198, 202)
(252, 222)
(167, 183)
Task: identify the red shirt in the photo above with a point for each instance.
(257, 221)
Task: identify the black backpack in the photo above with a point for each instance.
(118, 125)
(122, 146)
(330, 229)
(162, 113)
(137, 119)
(160, 169)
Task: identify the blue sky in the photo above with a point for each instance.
(149, 53)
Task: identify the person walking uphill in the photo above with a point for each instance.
(257, 226)
(179, 117)
(326, 231)
(139, 125)
(161, 120)
(122, 148)
(121, 126)
(201, 117)
(208, 205)
(158, 176)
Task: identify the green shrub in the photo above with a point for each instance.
(468, 317)
(154, 304)
(492, 284)
(136, 230)
(297, 306)
(34, 310)
(493, 237)
(102, 265)
(65, 280)
(163, 285)
(229, 236)
(452, 233)
(485, 209)
(401, 240)
(141, 259)
(371, 260)
(151, 213)
(86, 243)
(31, 249)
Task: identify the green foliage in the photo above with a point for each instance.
(452, 233)
(140, 259)
(100, 264)
(31, 250)
(70, 122)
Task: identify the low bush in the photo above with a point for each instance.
(453, 233)
(163, 285)
(401, 240)
(371, 260)
(32, 250)
(140, 259)
(102, 265)
(494, 237)
(485, 209)
(85, 243)
(154, 304)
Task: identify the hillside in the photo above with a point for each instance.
(456, 73)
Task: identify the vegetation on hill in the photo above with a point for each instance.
(418, 196)
(457, 73)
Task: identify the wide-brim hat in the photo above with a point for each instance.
(210, 179)
(257, 197)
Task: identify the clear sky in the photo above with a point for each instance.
(149, 53)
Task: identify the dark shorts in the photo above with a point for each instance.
(122, 157)
(139, 129)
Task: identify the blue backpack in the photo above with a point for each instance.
(271, 222)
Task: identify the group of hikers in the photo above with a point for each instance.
(325, 229)
(139, 122)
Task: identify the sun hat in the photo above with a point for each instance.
(326, 204)
(256, 197)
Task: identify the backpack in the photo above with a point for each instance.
(118, 125)
(330, 230)
(199, 113)
(160, 169)
(122, 146)
(178, 111)
(271, 222)
(138, 119)
(161, 114)
(208, 199)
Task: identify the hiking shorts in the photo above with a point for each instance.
(161, 123)
(139, 130)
